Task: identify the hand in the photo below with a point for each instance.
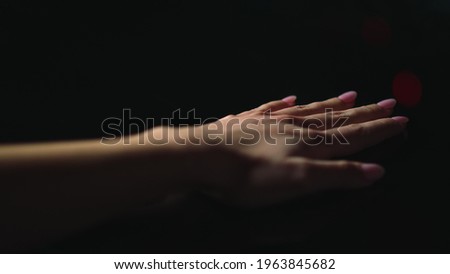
(280, 150)
(275, 152)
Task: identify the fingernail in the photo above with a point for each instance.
(372, 172)
(388, 103)
(290, 100)
(401, 119)
(348, 96)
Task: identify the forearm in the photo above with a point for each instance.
(51, 190)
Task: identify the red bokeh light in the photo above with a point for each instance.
(407, 88)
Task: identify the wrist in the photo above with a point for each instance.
(164, 156)
(203, 162)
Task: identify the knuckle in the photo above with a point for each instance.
(248, 113)
(262, 112)
(265, 106)
(229, 116)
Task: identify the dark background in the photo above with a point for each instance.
(65, 67)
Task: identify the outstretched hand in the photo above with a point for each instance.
(272, 153)
(281, 150)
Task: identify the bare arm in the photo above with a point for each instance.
(51, 190)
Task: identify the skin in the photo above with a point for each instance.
(51, 190)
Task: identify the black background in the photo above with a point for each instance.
(65, 67)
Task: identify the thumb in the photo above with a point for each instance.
(318, 175)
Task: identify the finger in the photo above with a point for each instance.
(319, 175)
(298, 176)
(279, 104)
(347, 140)
(344, 101)
(362, 114)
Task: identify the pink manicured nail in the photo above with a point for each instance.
(290, 100)
(372, 172)
(401, 119)
(348, 96)
(388, 103)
